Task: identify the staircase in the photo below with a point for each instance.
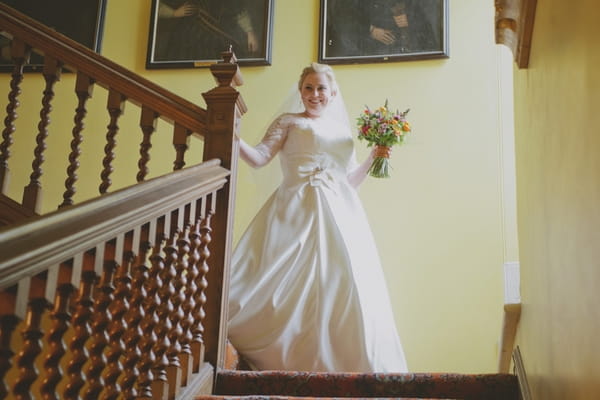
(359, 385)
(121, 296)
(237, 381)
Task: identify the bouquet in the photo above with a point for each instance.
(382, 128)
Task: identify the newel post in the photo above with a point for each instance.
(225, 108)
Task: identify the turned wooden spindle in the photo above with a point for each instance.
(202, 283)
(32, 195)
(185, 278)
(61, 317)
(32, 335)
(171, 280)
(135, 313)
(20, 55)
(164, 309)
(32, 292)
(148, 120)
(192, 241)
(118, 326)
(8, 323)
(81, 332)
(150, 282)
(193, 292)
(83, 89)
(115, 106)
(181, 141)
(99, 325)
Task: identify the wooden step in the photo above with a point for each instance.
(263, 384)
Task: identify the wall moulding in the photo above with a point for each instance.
(514, 27)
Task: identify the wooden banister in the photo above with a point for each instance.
(37, 245)
(114, 250)
(123, 295)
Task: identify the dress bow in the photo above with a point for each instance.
(318, 173)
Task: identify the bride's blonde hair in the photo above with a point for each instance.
(316, 68)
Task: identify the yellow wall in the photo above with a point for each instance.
(558, 186)
(438, 220)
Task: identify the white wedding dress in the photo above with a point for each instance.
(307, 291)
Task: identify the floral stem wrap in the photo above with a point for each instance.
(384, 129)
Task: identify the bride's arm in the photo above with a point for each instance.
(259, 155)
(358, 174)
(252, 155)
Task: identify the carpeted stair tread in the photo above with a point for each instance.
(258, 397)
(372, 385)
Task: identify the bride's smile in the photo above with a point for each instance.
(316, 92)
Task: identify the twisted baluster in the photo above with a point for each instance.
(83, 89)
(77, 349)
(149, 285)
(32, 193)
(115, 106)
(172, 281)
(181, 143)
(163, 312)
(194, 293)
(148, 124)
(133, 318)
(32, 347)
(188, 247)
(99, 339)
(8, 323)
(20, 56)
(184, 278)
(202, 283)
(61, 316)
(118, 308)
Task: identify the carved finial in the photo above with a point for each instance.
(228, 56)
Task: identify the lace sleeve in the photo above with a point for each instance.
(268, 147)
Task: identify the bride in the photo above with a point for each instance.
(307, 292)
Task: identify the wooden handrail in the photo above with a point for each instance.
(34, 246)
(105, 72)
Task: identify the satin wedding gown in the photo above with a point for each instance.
(307, 292)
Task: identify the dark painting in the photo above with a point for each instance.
(80, 20)
(355, 31)
(193, 33)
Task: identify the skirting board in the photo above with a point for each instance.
(521, 375)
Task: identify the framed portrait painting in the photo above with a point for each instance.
(193, 33)
(368, 31)
(82, 21)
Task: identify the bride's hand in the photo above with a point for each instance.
(381, 151)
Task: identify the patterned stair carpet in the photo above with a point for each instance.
(215, 397)
(232, 384)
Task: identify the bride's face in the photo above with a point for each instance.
(316, 92)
